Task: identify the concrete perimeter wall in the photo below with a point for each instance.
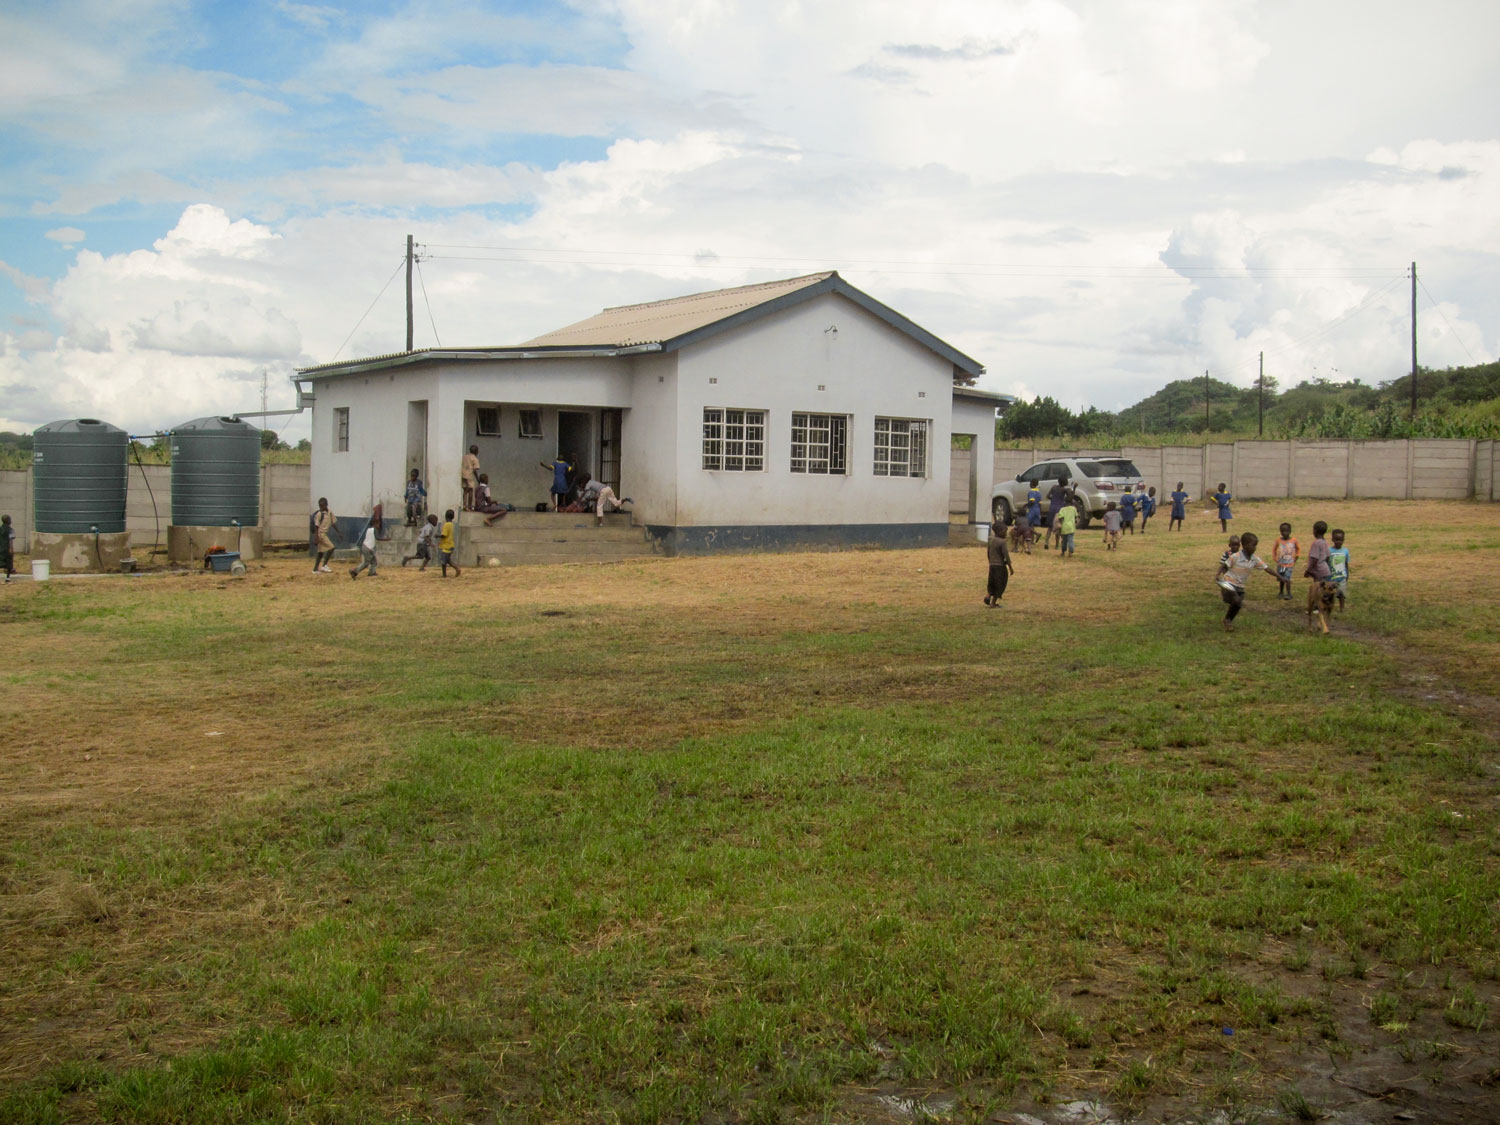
(284, 503)
(1421, 469)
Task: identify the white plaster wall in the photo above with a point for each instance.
(648, 452)
(378, 426)
(377, 437)
(778, 364)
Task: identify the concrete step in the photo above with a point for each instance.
(475, 520)
(499, 534)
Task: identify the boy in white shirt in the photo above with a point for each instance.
(366, 553)
(1233, 570)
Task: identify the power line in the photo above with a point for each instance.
(731, 261)
(1058, 273)
(1292, 345)
(1439, 308)
(428, 303)
(366, 313)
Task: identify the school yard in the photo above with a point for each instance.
(760, 839)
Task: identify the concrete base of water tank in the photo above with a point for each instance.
(79, 553)
(188, 545)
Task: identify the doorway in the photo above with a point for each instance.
(416, 440)
(574, 433)
(610, 422)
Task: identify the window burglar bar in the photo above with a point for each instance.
(734, 440)
(819, 442)
(900, 447)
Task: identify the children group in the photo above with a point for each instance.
(1327, 565)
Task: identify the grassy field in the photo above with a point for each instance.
(777, 838)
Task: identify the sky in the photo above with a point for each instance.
(1090, 197)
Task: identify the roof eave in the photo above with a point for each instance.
(416, 359)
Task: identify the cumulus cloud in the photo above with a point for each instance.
(66, 235)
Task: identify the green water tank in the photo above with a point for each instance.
(79, 476)
(215, 473)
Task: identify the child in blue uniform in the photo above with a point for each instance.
(1034, 504)
(1148, 504)
(1222, 499)
(1179, 507)
(1127, 511)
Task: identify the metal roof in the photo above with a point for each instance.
(656, 322)
(680, 321)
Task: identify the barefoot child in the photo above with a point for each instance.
(1232, 574)
(468, 475)
(1021, 532)
(1111, 526)
(1284, 554)
(446, 546)
(1056, 495)
(425, 539)
(1179, 507)
(1000, 565)
(1317, 555)
(416, 497)
(1338, 562)
(1222, 499)
(1148, 506)
(1067, 527)
(1127, 511)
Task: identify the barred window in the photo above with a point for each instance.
(341, 429)
(486, 421)
(900, 447)
(819, 443)
(734, 440)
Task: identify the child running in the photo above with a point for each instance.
(1057, 495)
(1127, 510)
(446, 546)
(1232, 574)
(1034, 504)
(424, 543)
(1179, 507)
(1222, 499)
(1338, 563)
(1284, 554)
(1317, 555)
(1067, 527)
(1001, 567)
(1148, 506)
(1111, 526)
(1022, 532)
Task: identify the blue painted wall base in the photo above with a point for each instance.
(732, 539)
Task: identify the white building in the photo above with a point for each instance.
(795, 412)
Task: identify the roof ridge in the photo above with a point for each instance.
(821, 275)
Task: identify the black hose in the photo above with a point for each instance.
(155, 517)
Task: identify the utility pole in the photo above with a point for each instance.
(1414, 340)
(1260, 397)
(408, 291)
(1205, 399)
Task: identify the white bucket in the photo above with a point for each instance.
(982, 532)
(41, 570)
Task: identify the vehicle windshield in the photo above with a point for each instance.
(1119, 468)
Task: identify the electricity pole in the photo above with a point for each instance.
(1260, 396)
(408, 291)
(1205, 399)
(1414, 340)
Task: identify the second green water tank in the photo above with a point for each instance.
(215, 473)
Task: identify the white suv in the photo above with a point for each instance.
(1095, 482)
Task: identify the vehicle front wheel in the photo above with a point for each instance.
(1000, 509)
